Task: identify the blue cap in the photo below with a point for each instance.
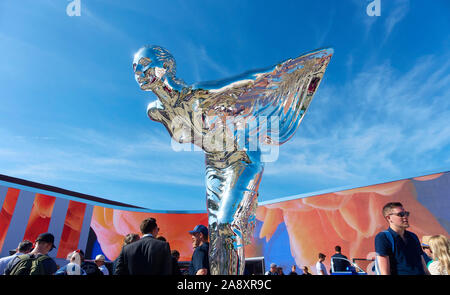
(200, 229)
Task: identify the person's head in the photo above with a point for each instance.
(293, 268)
(161, 238)
(152, 63)
(280, 270)
(273, 267)
(81, 252)
(25, 247)
(305, 269)
(199, 235)
(395, 215)
(338, 249)
(426, 245)
(322, 257)
(149, 226)
(440, 249)
(175, 254)
(76, 257)
(69, 256)
(44, 243)
(99, 260)
(130, 238)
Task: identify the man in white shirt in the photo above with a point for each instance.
(320, 267)
(100, 261)
(273, 270)
(24, 247)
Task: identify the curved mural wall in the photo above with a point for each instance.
(295, 231)
(288, 232)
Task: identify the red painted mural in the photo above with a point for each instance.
(72, 229)
(40, 215)
(112, 225)
(9, 204)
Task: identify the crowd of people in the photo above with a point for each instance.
(146, 255)
(399, 252)
(340, 263)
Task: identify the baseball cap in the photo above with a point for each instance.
(200, 228)
(273, 265)
(426, 241)
(48, 238)
(99, 257)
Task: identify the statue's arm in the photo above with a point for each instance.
(157, 112)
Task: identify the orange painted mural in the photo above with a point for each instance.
(112, 225)
(287, 232)
(72, 229)
(40, 215)
(9, 204)
(350, 219)
(295, 231)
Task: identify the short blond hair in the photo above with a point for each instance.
(387, 209)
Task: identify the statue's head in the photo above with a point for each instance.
(152, 63)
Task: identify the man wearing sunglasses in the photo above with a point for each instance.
(399, 251)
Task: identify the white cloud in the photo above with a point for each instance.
(392, 13)
(78, 155)
(201, 61)
(98, 23)
(399, 12)
(383, 124)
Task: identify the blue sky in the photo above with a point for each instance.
(71, 114)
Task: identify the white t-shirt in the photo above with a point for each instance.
(321, 266)
(434, 268)
(74, 269)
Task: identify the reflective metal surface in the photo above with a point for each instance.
(234, 121)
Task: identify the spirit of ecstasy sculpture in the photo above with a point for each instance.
(231, 120)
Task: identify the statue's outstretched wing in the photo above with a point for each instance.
(271, 102)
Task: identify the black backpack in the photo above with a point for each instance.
(91, 268)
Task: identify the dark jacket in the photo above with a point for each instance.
(340, 264)
(175, 267)
(148, 256)
(200, 259)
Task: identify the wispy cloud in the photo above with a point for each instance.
(83, 155)
(392, 13)
(97, 22)
(362, 17)
(383, 123)
(395, 16)
(201, 61)
(323, 34)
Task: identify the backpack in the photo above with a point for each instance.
(91, 268)
(29, 265)
(391, 240)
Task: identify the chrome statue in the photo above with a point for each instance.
(233, 121)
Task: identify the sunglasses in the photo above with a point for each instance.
(401, 214)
